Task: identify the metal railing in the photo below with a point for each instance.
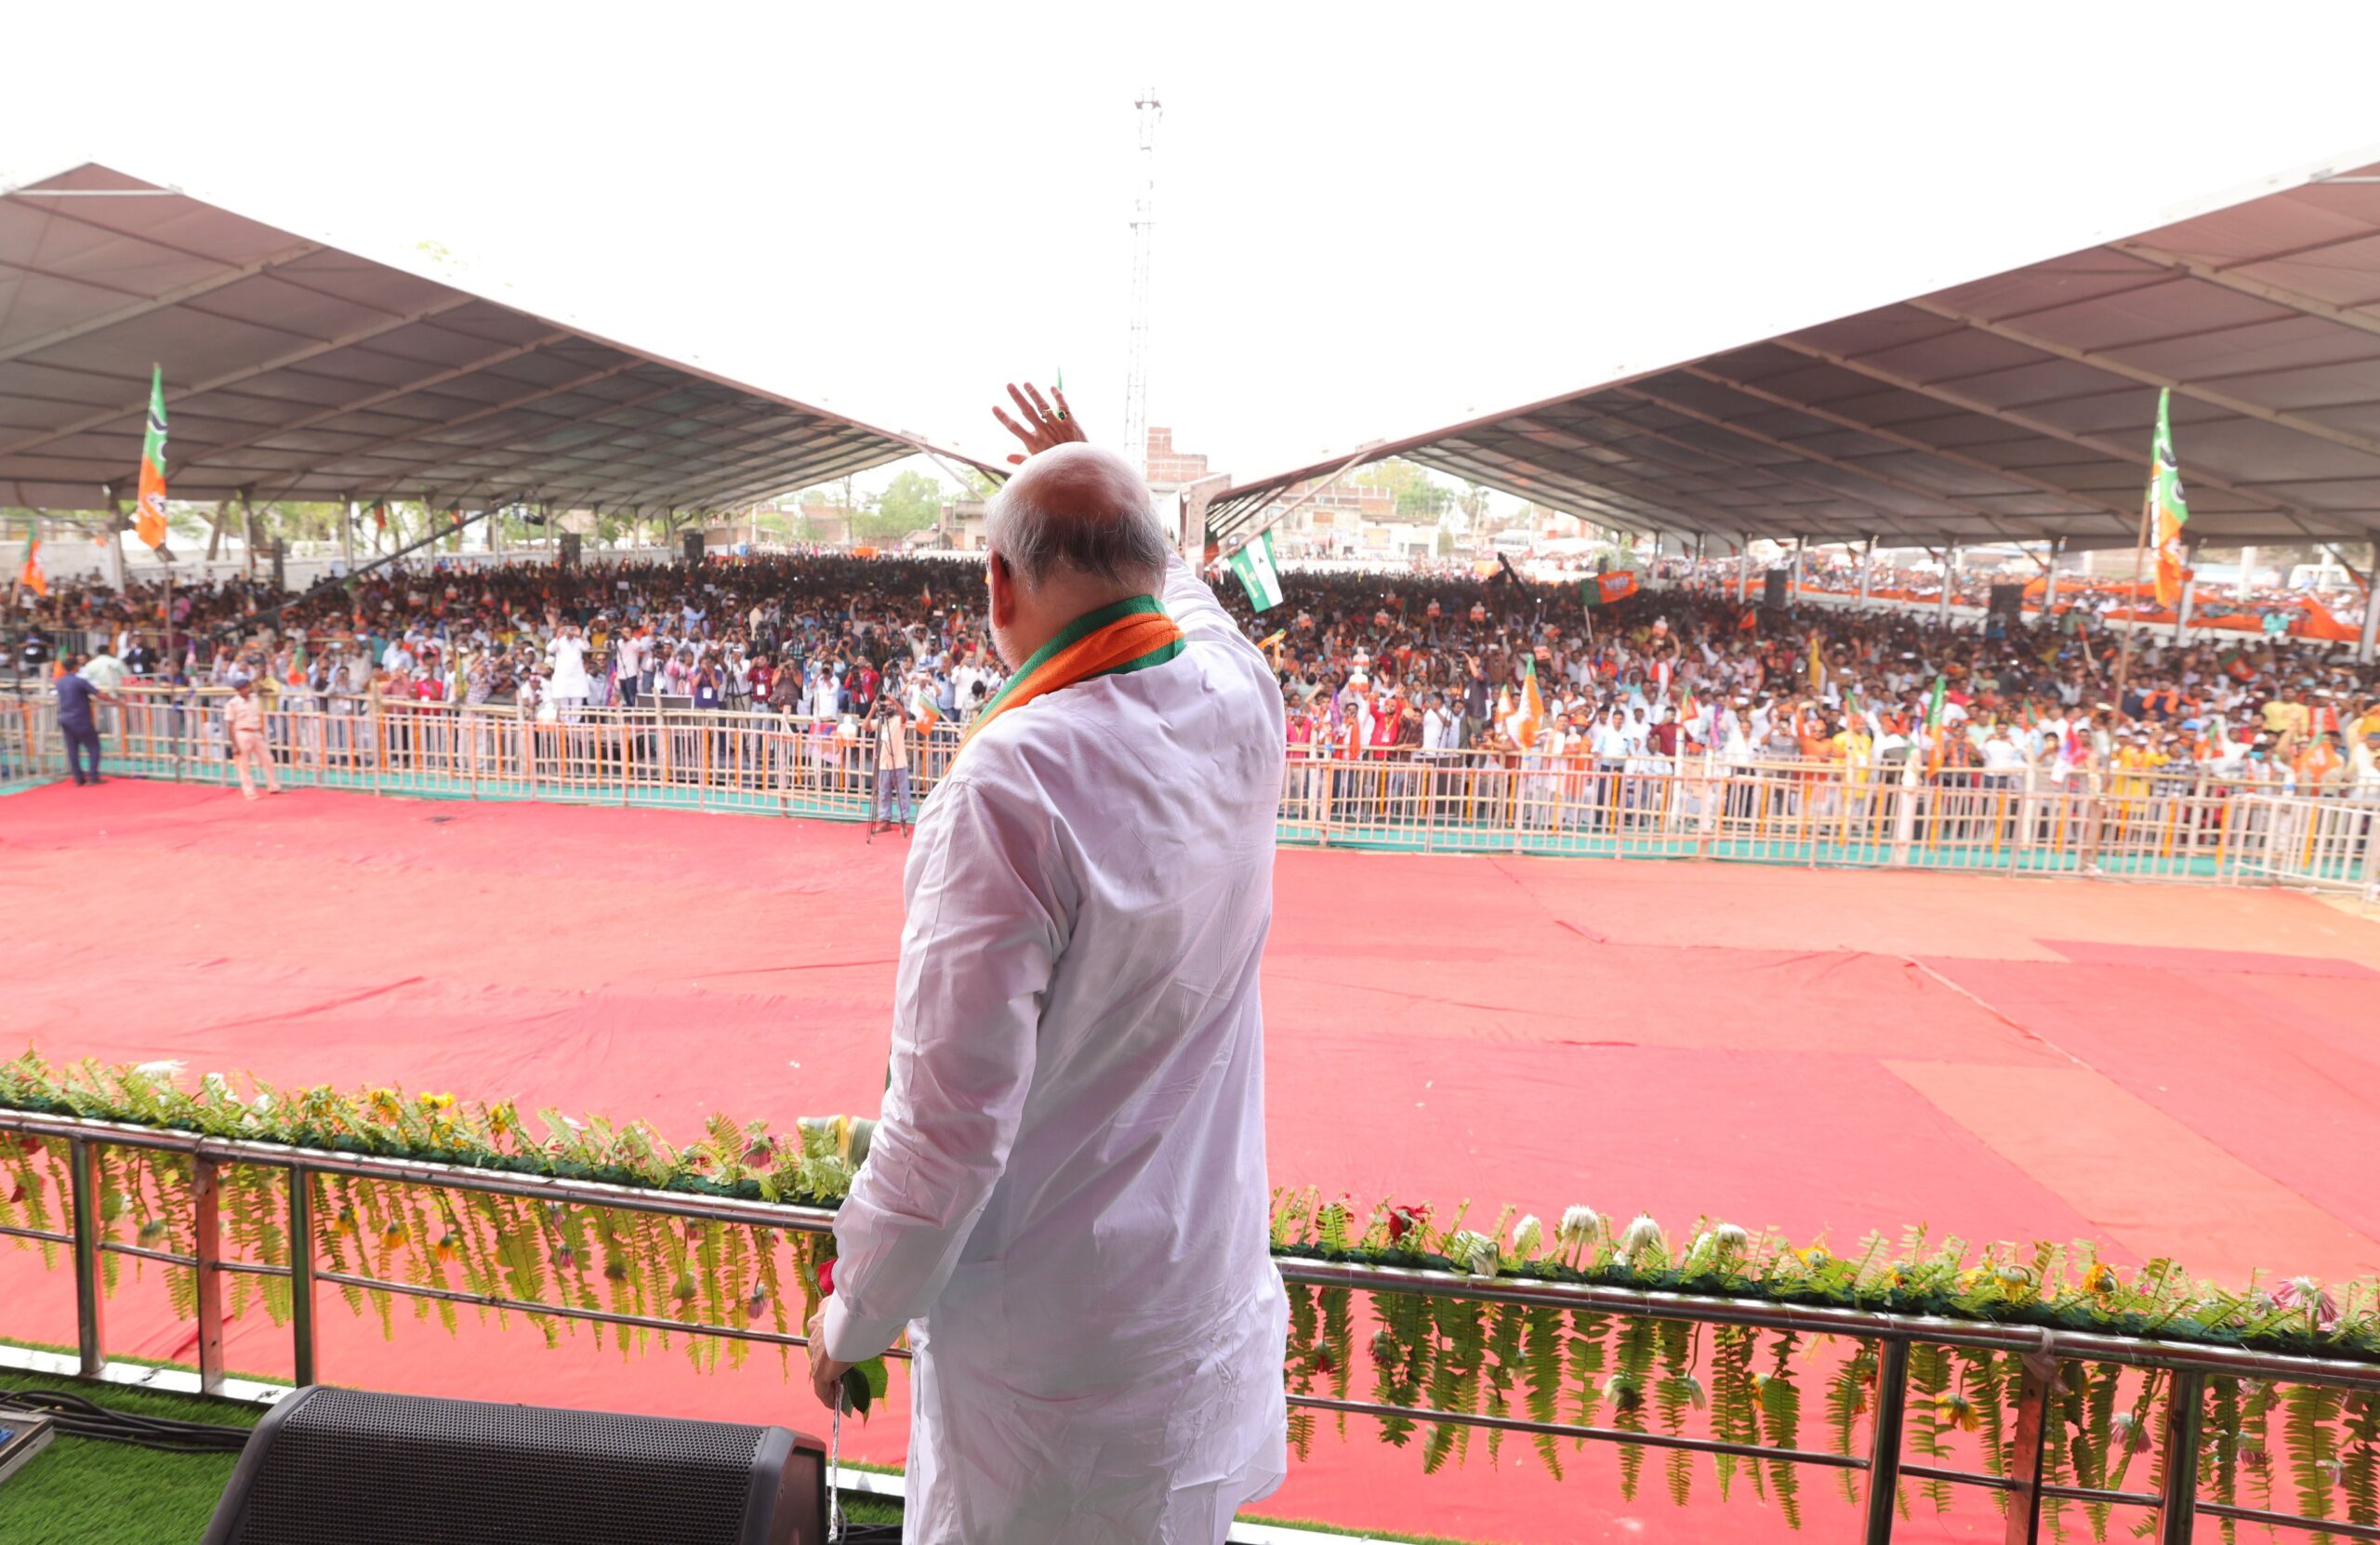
(1891, 1336)
(2133, 825)
(2169, 824)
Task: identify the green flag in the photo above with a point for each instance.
(1253, 565)
(1934, 703)
(2168, 510)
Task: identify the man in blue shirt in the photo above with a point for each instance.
(74, 723)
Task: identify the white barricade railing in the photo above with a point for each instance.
(2156, 824)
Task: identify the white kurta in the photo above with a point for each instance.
(1068, 1193)
(569, 658)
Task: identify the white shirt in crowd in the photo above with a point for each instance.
(568, 654)
(1440, 730)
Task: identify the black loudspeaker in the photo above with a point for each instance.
(695, 549)
(1774, 592)
(354, 1467)
(2008, 600)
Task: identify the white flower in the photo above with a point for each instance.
(1728, 1237)
(1527, 1235)
(264, 1103)
(216, 1086)
(1475, 1253)
(1579, 1225)
(1641, 1236)
(171, 1068)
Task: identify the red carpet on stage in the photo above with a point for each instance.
(2169, 1070)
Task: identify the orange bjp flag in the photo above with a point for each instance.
(150, 516)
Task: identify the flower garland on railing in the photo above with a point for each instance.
(1737, 1384)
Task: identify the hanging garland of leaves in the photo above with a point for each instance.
(1435, 1353)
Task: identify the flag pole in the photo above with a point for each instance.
(2139, 558)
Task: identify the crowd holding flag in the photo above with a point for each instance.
(1253, 565)
(150, 513)
(1522, 723)
(1605, 589)
(2168, 511)
(1934, 749)
(31, 576)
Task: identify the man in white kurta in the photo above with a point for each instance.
(567, 654)
(1067, 1201)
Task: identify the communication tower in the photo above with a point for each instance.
(1136, 372)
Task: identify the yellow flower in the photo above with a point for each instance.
(2014, 1281)
(445, 1246)
(1970, 1279)
(1959, 1411)
(1815, 1257)
(2100, 1279)
(383, 1104)
(437, 1101)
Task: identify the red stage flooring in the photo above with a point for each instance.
(2169, 1070)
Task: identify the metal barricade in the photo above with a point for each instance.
(2160, 824)
(2323, 844)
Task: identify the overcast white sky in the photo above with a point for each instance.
(1372, 218)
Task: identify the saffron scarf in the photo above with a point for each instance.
(1130, 635)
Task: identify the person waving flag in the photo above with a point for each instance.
(1530, 717)
(31, 576)
(150, 518)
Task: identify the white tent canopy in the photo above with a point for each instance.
(295, 370)
(2017, 407)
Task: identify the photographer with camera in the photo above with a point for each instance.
(889, 732)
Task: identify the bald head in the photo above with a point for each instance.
(1078, 516)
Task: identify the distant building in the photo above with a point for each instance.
(1346, 519)
(962, 524)
(1167, 469)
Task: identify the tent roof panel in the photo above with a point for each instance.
(294, 370)
(2016, 404)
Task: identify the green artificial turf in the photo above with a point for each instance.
(79, 1491)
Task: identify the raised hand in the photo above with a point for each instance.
(1043, 426)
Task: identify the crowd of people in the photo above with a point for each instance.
(1443, 666)
(2331, 609)
(1432, 666)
